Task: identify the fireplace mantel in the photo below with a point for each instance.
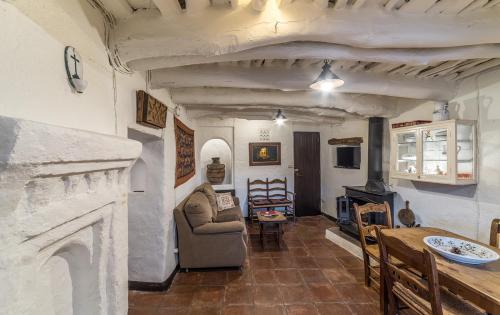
(63, 213)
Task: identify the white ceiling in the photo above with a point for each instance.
(247, 58)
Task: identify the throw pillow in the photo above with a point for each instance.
(208, 190)
(224, 201)
(198, 210)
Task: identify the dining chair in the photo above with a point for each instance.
(422, 294)
(495, 232)
(367, 230)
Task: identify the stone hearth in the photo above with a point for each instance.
(63, 219)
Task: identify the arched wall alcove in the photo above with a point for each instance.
(138, 176)
(217, 147)
(146, 210)
(72, 279)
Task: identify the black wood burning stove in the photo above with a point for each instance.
(374, 191)
(346, 216)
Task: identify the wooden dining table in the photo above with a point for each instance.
(480, 284)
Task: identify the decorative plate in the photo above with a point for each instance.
(460, 250)
(272, 213)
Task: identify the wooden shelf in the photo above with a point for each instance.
(346, 141)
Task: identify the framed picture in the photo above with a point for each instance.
(264, 153)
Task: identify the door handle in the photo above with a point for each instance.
(297, 172)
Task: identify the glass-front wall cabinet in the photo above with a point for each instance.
(441, 152)
(406, 153)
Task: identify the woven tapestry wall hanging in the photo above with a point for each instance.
(185, 161)
(150, 111)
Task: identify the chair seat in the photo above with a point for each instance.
(451, 303)
(373, 251)
(271, 202)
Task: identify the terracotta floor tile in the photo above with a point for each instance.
(142, 311)
(177, 299)
(208, 296)
(261, 253)
(281, 254)
(262, 263)
(264, 276)
(358, 274)
(172, 311)
(355, 293)
(182, 289)
(288, 276)
(340, 252)
(309, 274)
(269, 295)
(339, 275)
(322, 251)
(209, 310)
(327, 262)
(305, 309)
(147, 299)
(305, 262)
(269, 310)
(333, 309)
(364, 309)
(237, 277)
(325, 293)
(313, 276)
(239, 295)
(238, 310)
(296, 294)
(213, 278)
(298, 252)
(294, 243)
(350, 262)
(284, 262)
(187, 278)
(313, 243)
(290, 236)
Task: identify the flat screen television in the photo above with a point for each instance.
(348, 157)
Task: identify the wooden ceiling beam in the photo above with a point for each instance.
(359, 104)
(144, 36)
(323, 51)
(279, 77)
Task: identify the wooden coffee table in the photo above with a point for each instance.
(271, 225)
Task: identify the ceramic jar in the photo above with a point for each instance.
(216, 171)
(440, 112)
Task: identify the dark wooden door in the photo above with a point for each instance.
(306, 155)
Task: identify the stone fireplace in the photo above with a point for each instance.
(63, 219)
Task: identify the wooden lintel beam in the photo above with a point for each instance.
(346, 141)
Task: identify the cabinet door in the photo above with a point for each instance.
(466, 151)
(406, 146)
(436, 153)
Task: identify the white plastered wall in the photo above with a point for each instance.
(246, 131)
(217, 148)
(333, 179)
(467, 210)
(35, 87)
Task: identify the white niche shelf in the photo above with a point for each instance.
(440, 152)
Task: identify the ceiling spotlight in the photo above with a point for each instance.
(280, 118)
(327, 80)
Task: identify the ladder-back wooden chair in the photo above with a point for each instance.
(270, 195)
(371, 251)
(421, 294)
(495, 232)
